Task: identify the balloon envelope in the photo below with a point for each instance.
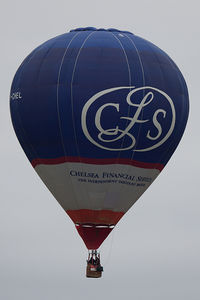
(99, 114)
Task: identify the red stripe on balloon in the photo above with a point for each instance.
(97, 217)
(96, 161)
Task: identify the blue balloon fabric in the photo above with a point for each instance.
(58, 78)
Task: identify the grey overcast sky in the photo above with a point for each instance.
(153, 253)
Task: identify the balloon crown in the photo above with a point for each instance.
(99, 29)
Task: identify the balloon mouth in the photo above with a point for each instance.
(100, 29)
(93, 235)
(94, 225)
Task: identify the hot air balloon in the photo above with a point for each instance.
(98, 114)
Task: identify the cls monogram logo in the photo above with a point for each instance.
(115, 134)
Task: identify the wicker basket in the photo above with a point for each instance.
(91, 272)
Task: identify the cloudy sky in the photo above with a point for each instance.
(153, 253)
